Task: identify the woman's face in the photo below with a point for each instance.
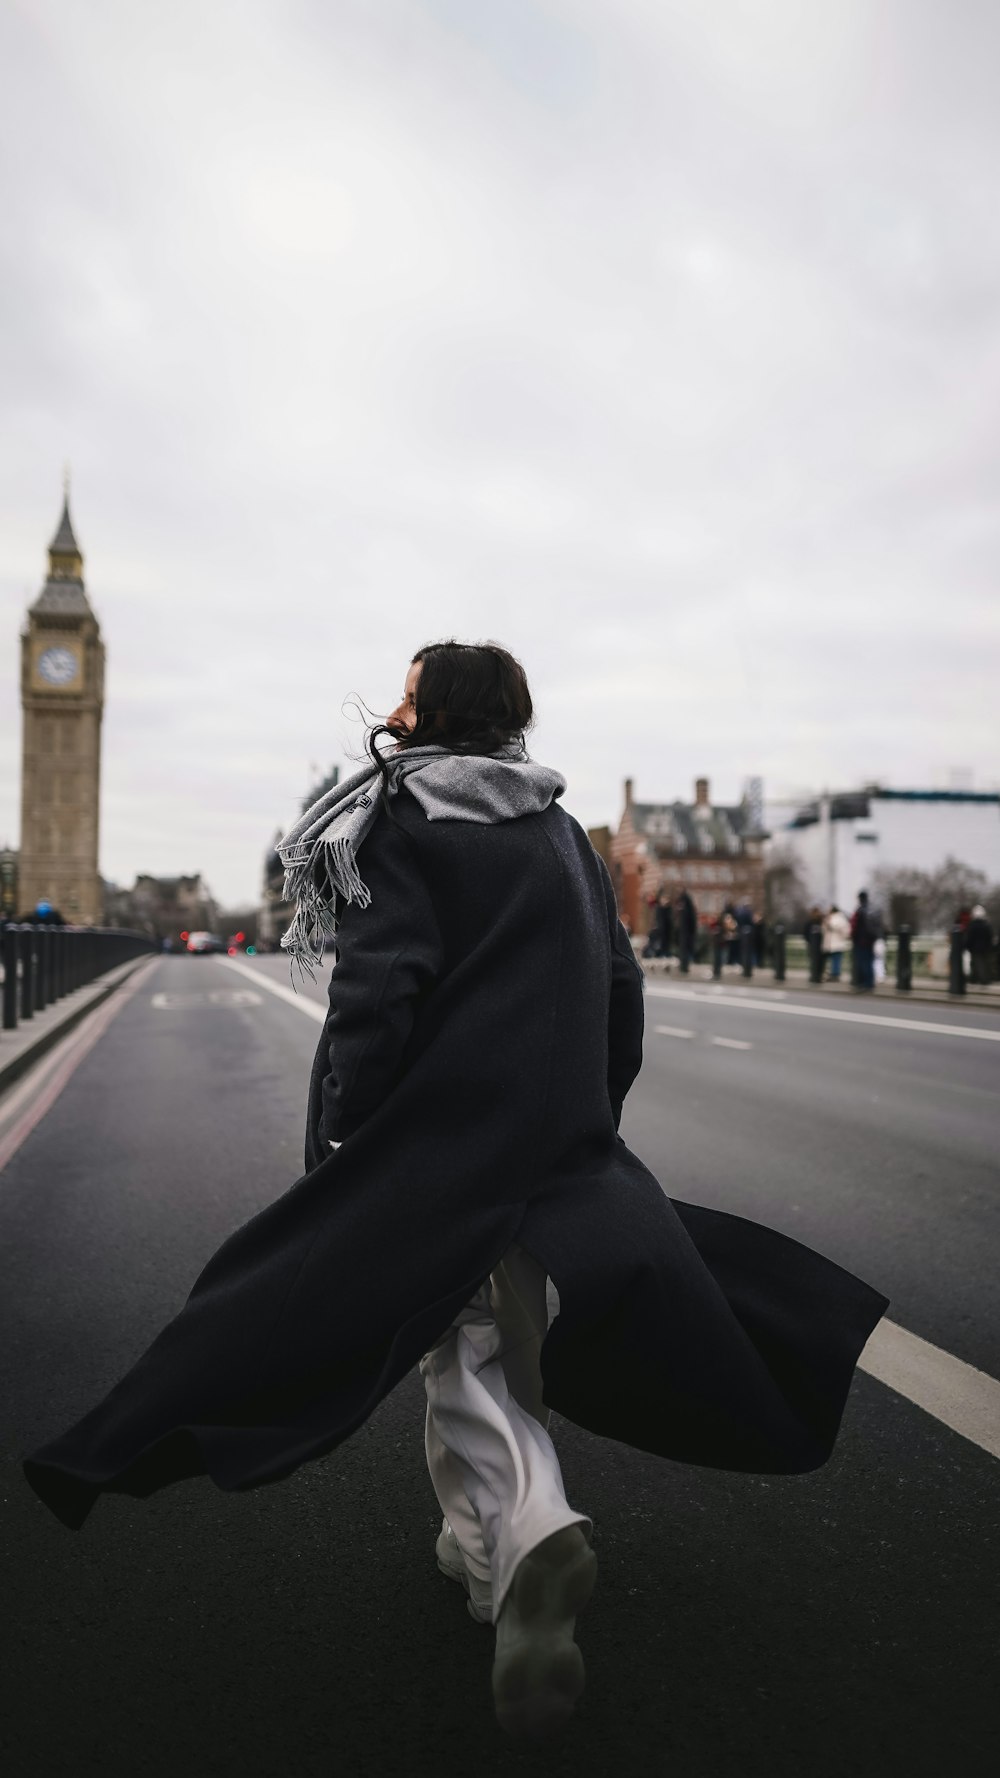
(405, 714)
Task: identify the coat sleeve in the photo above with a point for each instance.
(625, 1011)
(388, 956)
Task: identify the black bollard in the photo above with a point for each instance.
(29, 965)
(11, 959)
(46, 994)
(956, 971)
(59, 964)
(778, 941)
(717, 949)
(746, 949)
(904, 958)
(815, 942)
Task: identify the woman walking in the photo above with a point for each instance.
(462, 1147)
(836, 937)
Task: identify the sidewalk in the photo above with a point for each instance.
(925, 989)
(21, 1048)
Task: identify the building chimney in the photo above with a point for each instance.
(701, 793)
(628, 793)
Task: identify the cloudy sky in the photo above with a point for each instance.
(658, 340)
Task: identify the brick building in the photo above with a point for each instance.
(715, 852)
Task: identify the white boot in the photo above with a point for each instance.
(451, 1562)
(538, 1669)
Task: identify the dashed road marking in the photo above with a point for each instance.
(945, 1387)
(301, 1002)
(737, 988)
(731, 1043)
(217, 997)
(828, 1012)
(672, 1031)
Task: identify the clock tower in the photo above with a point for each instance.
(62, 701)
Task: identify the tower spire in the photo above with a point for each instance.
(65, 557)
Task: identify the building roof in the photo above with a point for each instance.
(856, 805)
(937, 796)
(847, 805)
(683, 827)
(66, 597)
(64, 542)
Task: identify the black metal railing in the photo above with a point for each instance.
(42, 964)
(715, 950)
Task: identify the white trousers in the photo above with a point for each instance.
(491, 1460)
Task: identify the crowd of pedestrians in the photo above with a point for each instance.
(743, 934)
(828, 935)
(675, 930)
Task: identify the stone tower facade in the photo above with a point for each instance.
(62, 702)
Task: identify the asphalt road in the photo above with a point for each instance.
(800, 1627)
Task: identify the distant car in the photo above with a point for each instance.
(201, 943)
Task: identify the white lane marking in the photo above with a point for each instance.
(737, 988)
(672, 1031)
(963, 1398)
(945, 1387)
(301, 1002)
(769, 993)
(828, 1012)
(218, 997)
(731, 1043)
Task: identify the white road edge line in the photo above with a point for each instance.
(945, 1387)
(311, 1008)
(672, 1031)
(827, 1012)
(949, 1390)
(731, 1043)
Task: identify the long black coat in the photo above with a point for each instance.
(485, 1025)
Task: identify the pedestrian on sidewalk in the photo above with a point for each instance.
(864, 931)
(836, 933)
(744, 917)
(686, 927)
(651, 948)
(812, 932)
(462, 1147)
(729, 934)
(979, 943)
(664, 924)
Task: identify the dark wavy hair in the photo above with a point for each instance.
(472, 697)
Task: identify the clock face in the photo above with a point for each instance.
(58, 665)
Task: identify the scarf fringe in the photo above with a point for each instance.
(319, 879)
(320, 852)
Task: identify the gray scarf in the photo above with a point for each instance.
(320, 852)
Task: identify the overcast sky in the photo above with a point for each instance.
(659, 340)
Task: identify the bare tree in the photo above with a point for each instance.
(785, 893)
(939, 893)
